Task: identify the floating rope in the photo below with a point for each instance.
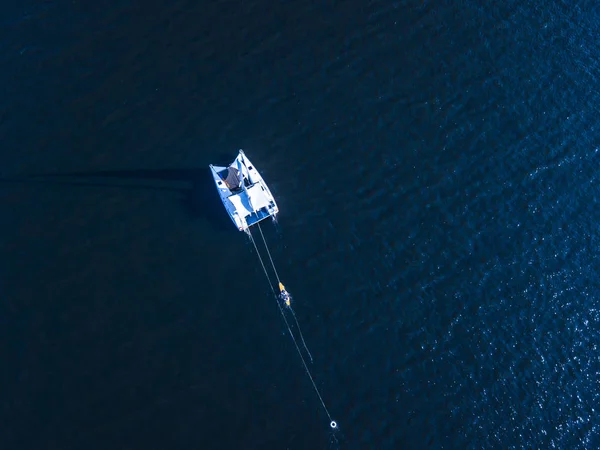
(300, 331)
(268, 252)
(332, 423)
(282, 288)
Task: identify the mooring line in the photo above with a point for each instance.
(268, 252)
(332, 423)
(289, 305)
(301, 335)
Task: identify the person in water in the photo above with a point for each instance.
(284, 295)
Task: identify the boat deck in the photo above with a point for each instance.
(257, 217)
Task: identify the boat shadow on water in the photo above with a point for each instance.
(195, 187)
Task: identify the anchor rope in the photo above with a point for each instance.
(332, 422)
(268, 252)
(289, 306)
(300, 331)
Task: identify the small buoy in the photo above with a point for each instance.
(333, 424)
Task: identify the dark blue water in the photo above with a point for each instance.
(435, 164)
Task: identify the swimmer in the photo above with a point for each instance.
(285, 295)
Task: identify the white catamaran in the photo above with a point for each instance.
(248, 200)
(244, 193)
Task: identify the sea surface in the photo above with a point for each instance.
(436, 169)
